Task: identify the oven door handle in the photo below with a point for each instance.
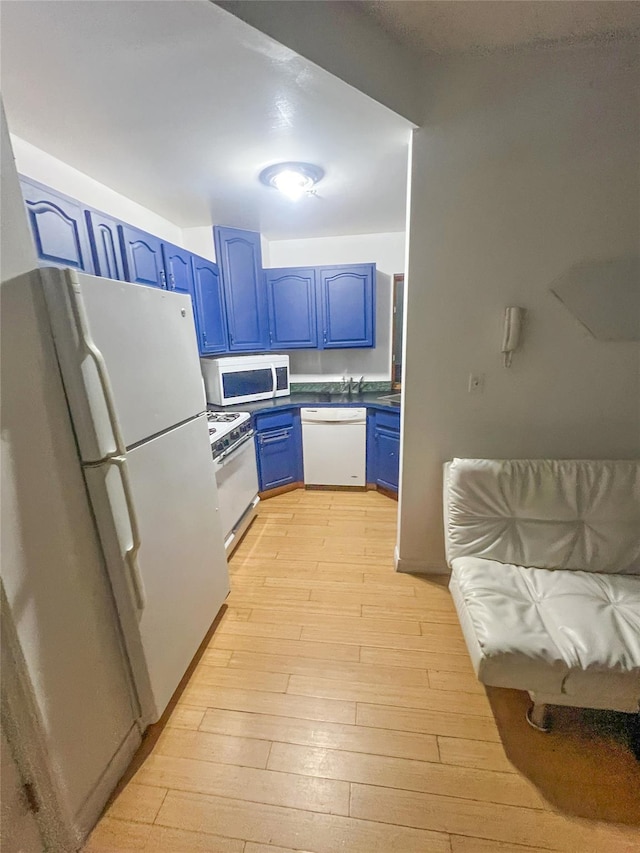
(230, 450)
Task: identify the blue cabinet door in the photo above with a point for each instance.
(278, 448)
(277, 455)
(209, 306)
(178, 270)
(239, 257)
(142, 253)
(387, 458)
(105, 245)
(58, 226)
(291, 299)
(347, 306)
(383, 448)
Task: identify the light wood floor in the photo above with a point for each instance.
(335, 709)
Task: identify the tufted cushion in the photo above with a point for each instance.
(564, 633)
(553, 514)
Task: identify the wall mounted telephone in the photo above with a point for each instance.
(513, 320)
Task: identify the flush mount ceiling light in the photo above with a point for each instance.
(292, 179)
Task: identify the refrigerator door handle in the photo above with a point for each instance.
(131, 553)
(90, 348)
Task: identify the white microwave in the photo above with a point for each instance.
(243, 379)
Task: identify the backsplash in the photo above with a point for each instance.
(334, 387)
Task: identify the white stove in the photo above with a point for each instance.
(231, 436)
(226, 430)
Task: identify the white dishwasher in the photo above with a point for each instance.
(334, 446)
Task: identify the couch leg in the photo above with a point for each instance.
(539, 717)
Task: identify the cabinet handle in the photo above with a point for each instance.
(272, 437)
(163, 278)
(172, 279)
(324, 336)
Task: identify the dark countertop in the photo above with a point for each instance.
(369, 399)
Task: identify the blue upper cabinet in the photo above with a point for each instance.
(177, 266)
(58, 226)
(347, 306)
(291, 297)
(209, 307)
(240, 260)
(105, 245)
(142, 253)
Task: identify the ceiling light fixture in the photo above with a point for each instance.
(292, 179)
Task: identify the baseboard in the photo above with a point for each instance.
(418, 567)
(290, 487)
(388, 493)
(316, 487)
(280, 490)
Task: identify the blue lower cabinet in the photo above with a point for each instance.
(105, 245)
(291, 297)
(383, 449)
(209, 306)
(279, 449)
(143, 258)
(387, 458)
(58, 226)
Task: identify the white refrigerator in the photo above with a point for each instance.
(130, 368)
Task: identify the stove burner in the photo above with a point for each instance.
(222, 417)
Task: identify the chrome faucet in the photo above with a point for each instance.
(355, 387)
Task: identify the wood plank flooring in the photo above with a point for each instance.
(335, 709)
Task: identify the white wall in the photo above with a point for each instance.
(41, 166)
(387, 251)
(527, 166)
(18, 251)
(200, 241)
(347, 43)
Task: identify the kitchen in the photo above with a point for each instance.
(333, 705)
(358, 242)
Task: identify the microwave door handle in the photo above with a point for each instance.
(274, 376)
(90, 348)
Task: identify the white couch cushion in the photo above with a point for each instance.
(553, 514)
(570, 633)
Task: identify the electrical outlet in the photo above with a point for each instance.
(476, 383)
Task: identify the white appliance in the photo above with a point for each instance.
(232, 448)
(130, 368)
(243, 379)
(334, 446)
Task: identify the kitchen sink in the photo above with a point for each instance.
(392, 398)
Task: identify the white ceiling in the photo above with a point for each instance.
(457, 26)
(179, 105)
